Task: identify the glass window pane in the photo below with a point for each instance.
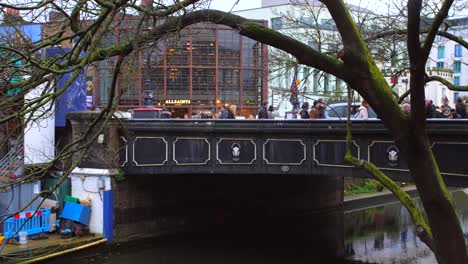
(203, 84)
(228, 48)
(204, 47)
(229, 86)
(178, 83)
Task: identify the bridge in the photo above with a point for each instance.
(276, 147)
(264, 174)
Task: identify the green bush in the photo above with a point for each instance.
(369, 186)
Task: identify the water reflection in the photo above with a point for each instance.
(386, 234)
(382, 234)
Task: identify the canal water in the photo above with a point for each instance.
(382, 234)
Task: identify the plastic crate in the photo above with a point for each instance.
(28, 221)
(76, 212)
(71, 199)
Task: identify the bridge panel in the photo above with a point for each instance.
(149, 151)
(191, 151)
(236, 151)
(386, 156)
(331, 152)
(291, 152)
(451, 157)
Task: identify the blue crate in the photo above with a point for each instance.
(27, 221)
(76, 212)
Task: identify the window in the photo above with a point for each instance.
(441, 52)
(440, 64)
(456, 80)
(327, 24)
(456, 66)
(313, 44)
(326, 83)
(276, 23)
(307, 22)
(458, 50)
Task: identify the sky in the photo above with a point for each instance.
(226, 5)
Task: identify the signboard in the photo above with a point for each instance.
(177, 101)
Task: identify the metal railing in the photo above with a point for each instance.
(12, 161)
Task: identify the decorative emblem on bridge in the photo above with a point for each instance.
(235, 147)
(236, 151)
(392, 155)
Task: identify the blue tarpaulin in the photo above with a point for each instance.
(74, 98)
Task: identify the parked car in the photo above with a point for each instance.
(338, 111)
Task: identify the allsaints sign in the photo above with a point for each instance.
(174, 101)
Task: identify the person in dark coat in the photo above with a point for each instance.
(263, 112)
(270, 112)
(430, 109)
(304, 113)
(223, 113)
(460, 108)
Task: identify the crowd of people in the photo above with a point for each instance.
(317, 111)
(445, 111)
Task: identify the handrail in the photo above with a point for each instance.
(12, 160)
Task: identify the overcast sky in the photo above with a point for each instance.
(226, 5)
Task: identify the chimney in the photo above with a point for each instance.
(144, 2)
(12, 11)
(13, 16)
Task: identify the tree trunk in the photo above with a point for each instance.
(449, 243)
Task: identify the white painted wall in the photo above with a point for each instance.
(280, 80)
(39, 136)
(449, 58)
(434, 90)
(84, 185)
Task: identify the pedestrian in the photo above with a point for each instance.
(430, 108)
(232, 112)
(223, 112)
(304, 113)
(270, 112)
(454, 115)
(445, 107)
(406, 107)
(321, 107)
(362, 112)
(314, 112)
(263, 112)
(466, 108)
(460, 108)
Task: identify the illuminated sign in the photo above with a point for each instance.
(175, 101)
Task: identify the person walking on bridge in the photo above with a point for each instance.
(362, 113)
(304, 113)
(460, 108)
(263, 112)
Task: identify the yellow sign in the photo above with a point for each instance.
(176, 101)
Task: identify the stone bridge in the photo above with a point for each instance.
(258, 174)
(279, 147)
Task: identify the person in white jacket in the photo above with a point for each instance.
(362, 113)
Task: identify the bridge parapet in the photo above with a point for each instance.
(269, 147)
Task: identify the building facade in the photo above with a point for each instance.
(194, 71)
(451, 57)
(308, 22)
